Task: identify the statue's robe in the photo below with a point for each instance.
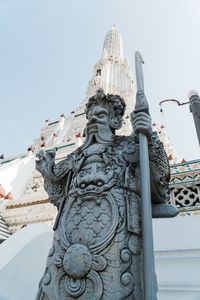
(96, 252)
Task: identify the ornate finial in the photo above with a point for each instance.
(114, 27)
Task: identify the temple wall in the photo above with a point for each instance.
(22, 262)
(177, 253)
(177, 259)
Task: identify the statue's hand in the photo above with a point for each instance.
(141, 122)
(45, 163)
(41, 163)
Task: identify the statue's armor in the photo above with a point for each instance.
(97, 244)
(96, 251)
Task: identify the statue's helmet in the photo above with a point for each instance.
(114, 103)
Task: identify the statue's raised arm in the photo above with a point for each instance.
(55, 175)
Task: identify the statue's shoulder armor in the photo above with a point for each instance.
(158, 156)
(125, 149)
(126, 143)
(64, 166)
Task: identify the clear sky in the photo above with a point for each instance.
(48, 49)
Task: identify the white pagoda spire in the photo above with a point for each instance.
(112, 73)
(113, 44)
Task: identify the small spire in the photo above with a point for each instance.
(31, 149)
(43, 145)
(113, 44)
(9, 196)
(154, 127)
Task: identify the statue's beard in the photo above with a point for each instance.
(100, 132)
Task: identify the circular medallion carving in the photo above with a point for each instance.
(126, 278)
(75, 287)
(125, 255)
(77, 261)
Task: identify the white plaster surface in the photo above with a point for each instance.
(14, 175)
(177, 233)
(22, 262)
(177, 251)
(177, 257)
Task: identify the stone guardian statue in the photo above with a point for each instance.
(97, 250)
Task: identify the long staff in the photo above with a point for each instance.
(147, 234)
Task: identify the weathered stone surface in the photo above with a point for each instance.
(96, 252)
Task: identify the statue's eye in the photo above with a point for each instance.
(101, 115)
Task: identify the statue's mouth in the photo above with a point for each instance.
(92, 128)
(92, 190)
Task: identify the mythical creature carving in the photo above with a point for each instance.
(96, 252)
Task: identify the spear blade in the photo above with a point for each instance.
(139, 72)
(141, 104)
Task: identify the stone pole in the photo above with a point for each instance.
(147, 234)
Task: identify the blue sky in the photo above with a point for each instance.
(48, 49)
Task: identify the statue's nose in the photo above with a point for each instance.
(93, 118)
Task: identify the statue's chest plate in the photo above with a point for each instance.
(90, 221)
(96, 174)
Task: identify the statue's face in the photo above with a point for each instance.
(98, 116)
(99, 126)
